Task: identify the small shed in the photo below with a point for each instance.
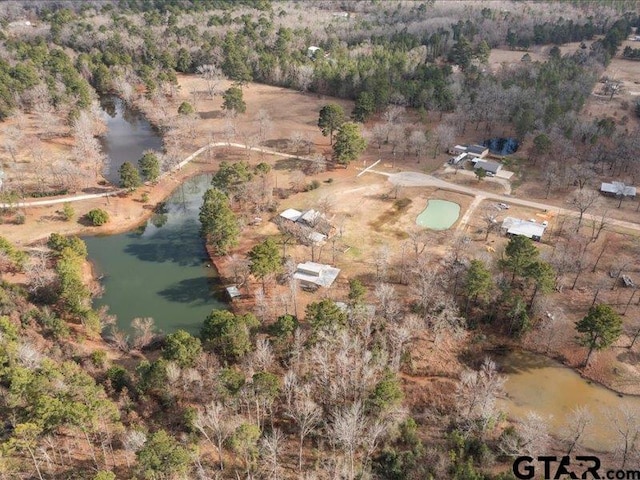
(525, 228)
(233, 292)
(626, 279)
(488, 166)
(617, 189)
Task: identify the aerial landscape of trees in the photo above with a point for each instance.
(398, 371)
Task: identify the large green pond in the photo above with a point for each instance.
(160, 270)
(439, 215)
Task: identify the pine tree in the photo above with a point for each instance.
(330, 119)
(149, 166)
(265, 259)
(233, 100)
(520, 254)
(129, 176)
(599, 329)
(349, 143)
(219, 224)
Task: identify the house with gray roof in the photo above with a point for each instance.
(525, 228)
(617, 189)
(487, 165)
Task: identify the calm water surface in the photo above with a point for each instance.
(550, 389)
(129, 134)
(161, 269)
(439, 215)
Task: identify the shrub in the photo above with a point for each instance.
(185, 108)
(20, 219)
(313, 185)
(97, 217)
(145, 197)
(67, 212)
(99, 358)
(402, 203)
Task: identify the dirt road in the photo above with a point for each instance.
(408, 179)
(416, 179)
(89, 196)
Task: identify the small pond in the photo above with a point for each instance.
(128, 135)
(502, 146)
(439, 215)
(537, 383)
(160, 270)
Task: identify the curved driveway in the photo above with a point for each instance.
(110, 193)
(408, 179)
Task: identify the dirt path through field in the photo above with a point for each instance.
(417, 179)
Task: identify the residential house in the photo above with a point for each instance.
(525, 228)
(616, 189)
(487, 165)
(477, 151)
(313, 275)
(308, 226)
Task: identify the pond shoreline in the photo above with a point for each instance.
(562, 362)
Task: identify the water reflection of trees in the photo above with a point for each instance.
(108, 105)
(189, 290)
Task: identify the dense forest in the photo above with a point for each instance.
(319, 395)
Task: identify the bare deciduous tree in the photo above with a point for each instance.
(133, 441)
(379, 133)
(626, 422)
(212, 75)
(346, 431)
(269, 448)
(143, 332)
(583, 200)
(297, 180)
(531, 437)
(216, 424)
(476, 396)
(574, 427)
(306, 414)
(389, 305)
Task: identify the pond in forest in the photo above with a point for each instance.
(161, 269)
(439, 215)
(502, 146)
(542, 385)
(129, 134)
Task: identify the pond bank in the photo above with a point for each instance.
(161, 269)
(552, 390)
